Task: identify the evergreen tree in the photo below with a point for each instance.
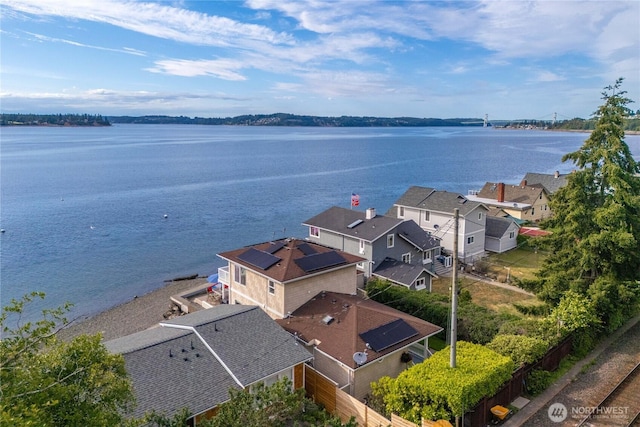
(595, 243)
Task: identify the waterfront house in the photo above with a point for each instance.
(394, 249)
(433, 211)
(550, 182)
(192, 361)
(282, 275)
(355, 340)
(524, 202)
(501, 234)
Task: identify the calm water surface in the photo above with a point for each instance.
(84, 208)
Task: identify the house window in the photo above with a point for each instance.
(420, 284)
(272, 287)
(401, 212)
(240, 275)
(533, 210)
(479, 215)
(427, 216)
(426, 256)
(361, 249)
(390, 240)
(314, 232)
(406, 258)
(512, 234)
(360, 265)
(470, 240)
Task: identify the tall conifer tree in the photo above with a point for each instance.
(595, 245)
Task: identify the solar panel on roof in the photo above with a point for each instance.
(306, 249)
(319, 261)
(258, 258)
(388, 335)
(275, 247)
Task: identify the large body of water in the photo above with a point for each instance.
(83, 209)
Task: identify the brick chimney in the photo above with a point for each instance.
(501, 192)
(370, 213)
(523, 183)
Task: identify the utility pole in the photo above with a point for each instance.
(454, 291)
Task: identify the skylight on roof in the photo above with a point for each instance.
(355, 223)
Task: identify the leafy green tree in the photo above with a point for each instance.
(595, 243)
(46, 382)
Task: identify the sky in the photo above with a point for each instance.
(506, 59)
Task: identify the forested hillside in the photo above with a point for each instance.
(53, 120)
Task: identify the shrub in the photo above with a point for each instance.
(538, 381)
(434, 390)
(520, 348)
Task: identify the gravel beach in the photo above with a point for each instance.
(133, 316)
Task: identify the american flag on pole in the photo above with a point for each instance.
(355, 200)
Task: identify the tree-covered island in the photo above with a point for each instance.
(53, 120)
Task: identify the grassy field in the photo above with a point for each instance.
(518, 263)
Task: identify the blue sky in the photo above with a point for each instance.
(510, 60)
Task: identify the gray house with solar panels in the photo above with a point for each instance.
(282, 275)
(394, 249)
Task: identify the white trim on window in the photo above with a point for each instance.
(272, 287)
(361, 247)
(240, 275)
(470, 240)
(390, 240)
(314, 231)
(400, 211)
(406, 258)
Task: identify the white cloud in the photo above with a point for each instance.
(73, 43)
(156, 20)
(222, 68)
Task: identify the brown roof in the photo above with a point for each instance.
(526, 194)
(289, 252)
(352, 315)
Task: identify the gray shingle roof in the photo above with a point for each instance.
(248, 341)
(192, 361)
(414, 234)
(433, 200)
(398, 271)
(548, 181)
(338, 219)
(163, 381)
(497, 226)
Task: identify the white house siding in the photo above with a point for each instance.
(472, 226)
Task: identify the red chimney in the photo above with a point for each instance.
(523, 183)
(501, 192)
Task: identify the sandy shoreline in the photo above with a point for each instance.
(133, 316)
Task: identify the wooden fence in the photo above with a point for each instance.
(480, 415)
